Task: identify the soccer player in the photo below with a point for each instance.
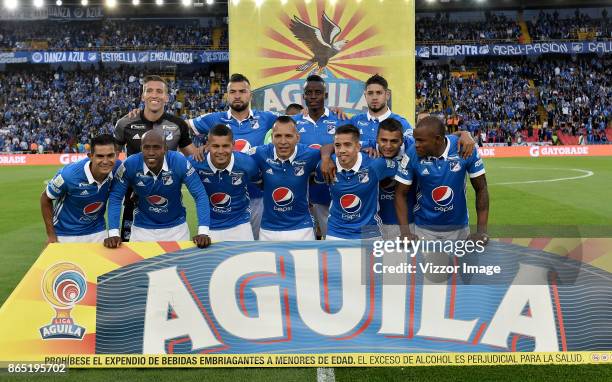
(156, 176)
(317, 129)
(441, 207)
(225, 175)
(249, 127)
(377, 95)
(130, 129)
(391, 144)
(80, 191)
(353, 213)
(286, 167)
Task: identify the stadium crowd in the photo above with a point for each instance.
(443, 28)
(552, 26)
(58, 111)
(115, 34)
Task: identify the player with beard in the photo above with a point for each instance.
(377, 95)
(249, 128)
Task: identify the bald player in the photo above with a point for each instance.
(156, 175)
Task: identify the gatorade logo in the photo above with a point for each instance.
(242, 145)
(93, 208)
(443, 197)
(282, 196)
(157, 201)
(350, 203)
(220, 200)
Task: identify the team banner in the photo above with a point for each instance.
(277, 44)
(599, 47)
(53, 12)
(261, 304)
(123, 57)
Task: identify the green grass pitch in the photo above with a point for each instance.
(521, 193)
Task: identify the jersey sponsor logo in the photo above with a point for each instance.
(315, 146)
(443, 196)
(136, 137)
(221, 202)
(158, 203)
(455, 166)
(425, 172)
(269, 171)
(302, 130)
(84, 192)
(137, 127)
(242, 145)
(350, 203)
(140, 183)
(387, 189)
(90, 211)
(169, 127)
(282, 196)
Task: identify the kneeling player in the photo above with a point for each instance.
(156, 175)
(225, 175)
(80, 191)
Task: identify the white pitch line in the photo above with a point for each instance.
(326, 374)
(585, 174)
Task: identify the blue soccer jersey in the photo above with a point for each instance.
(80, 201)
(316, 135)
(285, 187)
(353, 213)
(248, 133)
(227, 189)
(160, 201)
(368, 125)
(441, 194)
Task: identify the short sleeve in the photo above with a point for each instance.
(202, 124)
(404, 172)
(475, 165)
(57, 187)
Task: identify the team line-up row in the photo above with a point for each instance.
(371, 176)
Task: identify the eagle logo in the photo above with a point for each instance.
(321, 41)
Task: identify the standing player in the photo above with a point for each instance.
(249, 127)
(317, 129)
(377, 95)
(80, 192)
(294, 109)
(130, 129)
(156, 176)
(441, 207)
(286, 167)
(353, 213)
(225, 175)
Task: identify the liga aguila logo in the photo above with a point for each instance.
(63, 286)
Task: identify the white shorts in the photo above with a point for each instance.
(341, 238)
(242, 232)
(458, 234)
(293, 235)
(392, 231)
(256, 207)
(320, 213)
(97, 237)
(177, 233)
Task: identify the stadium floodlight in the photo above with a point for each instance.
(84, 2)
(210, 2)
(39, 3)
(58, 3)
(159, 2)
(111, 3)
(186, 3)
(10, 4)
(135, 2)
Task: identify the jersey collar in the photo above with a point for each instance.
(230, 116)
(229, 167)
(380, 118)
(146, 170)
(355, 167)
(90, 177)
(325, 114)
(445, 153)
(291, 158)
(156, 122)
